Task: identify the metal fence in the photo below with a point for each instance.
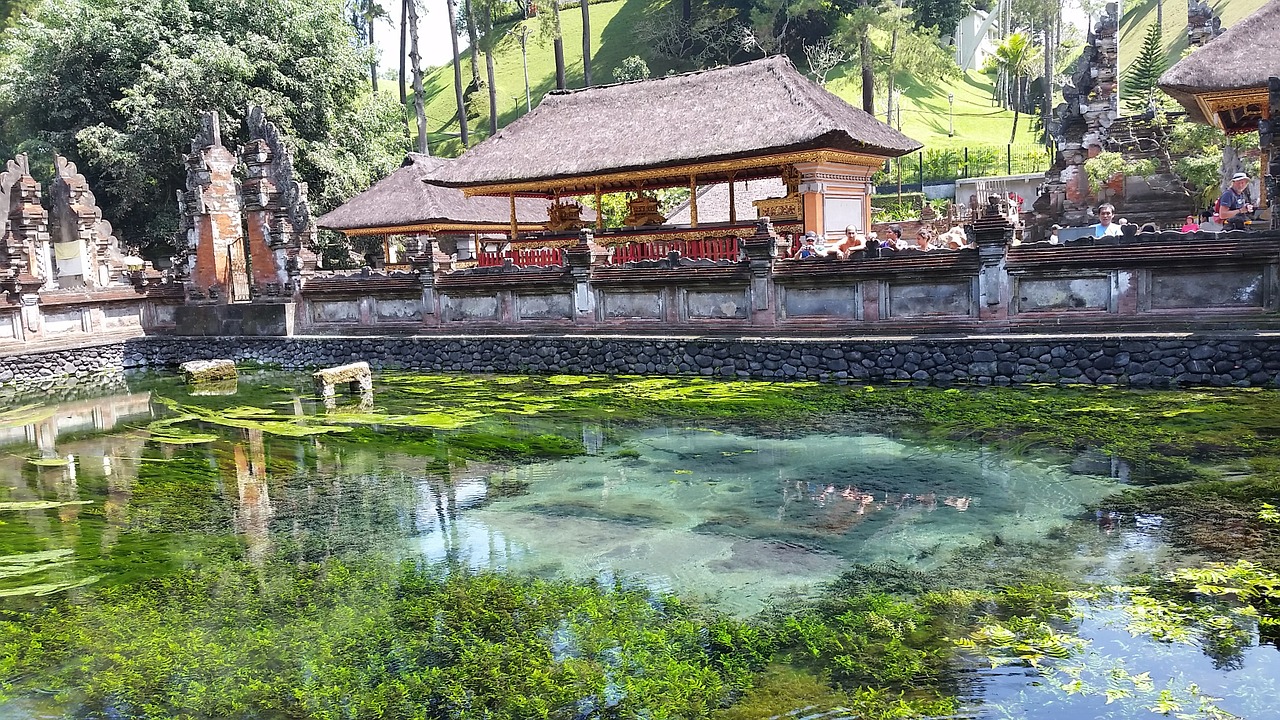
(951, 164)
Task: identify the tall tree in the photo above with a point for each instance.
(457, 73)
(364, 15)
(1147, 68)
(419, 103)
(472, 36)
(118, 87)
(549, 29)
(1017, 57)
(404, 21)
(586, 42)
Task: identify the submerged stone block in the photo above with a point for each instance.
(206, 371)
(356, 376)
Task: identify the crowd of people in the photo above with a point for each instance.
(856, 243)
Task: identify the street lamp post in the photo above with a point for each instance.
(951, 114)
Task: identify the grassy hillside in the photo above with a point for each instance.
(614, 37)
(1141, 14)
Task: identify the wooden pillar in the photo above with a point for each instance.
(693, 201)
(733, 206)
(513, 216)
(599, 214)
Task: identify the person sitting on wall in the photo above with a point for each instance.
(808, 247)
(1105, 227)
(1190, 225)
(924, 238)
(1235, 206)
(853, 241)
(895, 241)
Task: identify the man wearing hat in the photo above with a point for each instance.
(1234, 206)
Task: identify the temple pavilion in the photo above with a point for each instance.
(1224, 83)
(1228, 82)
(404, 205)
(762, 119)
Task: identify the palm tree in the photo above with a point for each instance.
(364, 14)
(1017, 58)
(411, 10)
(586, 43)
(557, 43)
(404, 31)
(457, 73)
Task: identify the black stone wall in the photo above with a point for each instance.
(1244, 361)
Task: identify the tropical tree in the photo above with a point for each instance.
(404, 31)
(1017, 58)
(364, 15)
(1140, 88)
(419, 103)
(586, 42)
(118, 87)
(549, 29)
(457, 74)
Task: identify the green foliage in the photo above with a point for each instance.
(1104, 166)
(361, 639)
(631, 68)
(1140, 89)
(118, 87)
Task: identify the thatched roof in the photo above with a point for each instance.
(750, 110)
(713, 201)
(1241, 58)
(403, 199)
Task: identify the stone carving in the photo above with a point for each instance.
(86, 250)
(211, 245)
(643, 210)
(1081, 125)
(24, 235)
(1202, 24)
(280, 229)
(203, 371)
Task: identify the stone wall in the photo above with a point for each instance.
(1154, 360)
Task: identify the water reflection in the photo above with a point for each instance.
(724, 514)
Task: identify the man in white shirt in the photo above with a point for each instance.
(1106, 228)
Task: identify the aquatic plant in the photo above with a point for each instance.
(363, 639)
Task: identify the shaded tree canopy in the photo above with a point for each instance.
(118, 87)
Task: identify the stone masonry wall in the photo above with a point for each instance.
(1154, 361)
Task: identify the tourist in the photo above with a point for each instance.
(1190, 225)
(1235, 207)
(924, 238)
(808, 246)
(1106, 228)
(894, 241)
(853, 241)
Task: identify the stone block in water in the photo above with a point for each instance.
(357, 377)
(203, 371)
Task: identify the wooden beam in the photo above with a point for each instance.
(733, 206)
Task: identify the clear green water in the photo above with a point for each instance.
(560, 478)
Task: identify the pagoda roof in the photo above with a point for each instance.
(404, 202)
(1236, 63)
(661, 128)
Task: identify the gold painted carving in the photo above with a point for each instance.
(783, 208)
(564, 215)
(1214, 103)
(642, 210)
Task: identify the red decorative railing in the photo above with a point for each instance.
(694, 249)
(522, 257)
